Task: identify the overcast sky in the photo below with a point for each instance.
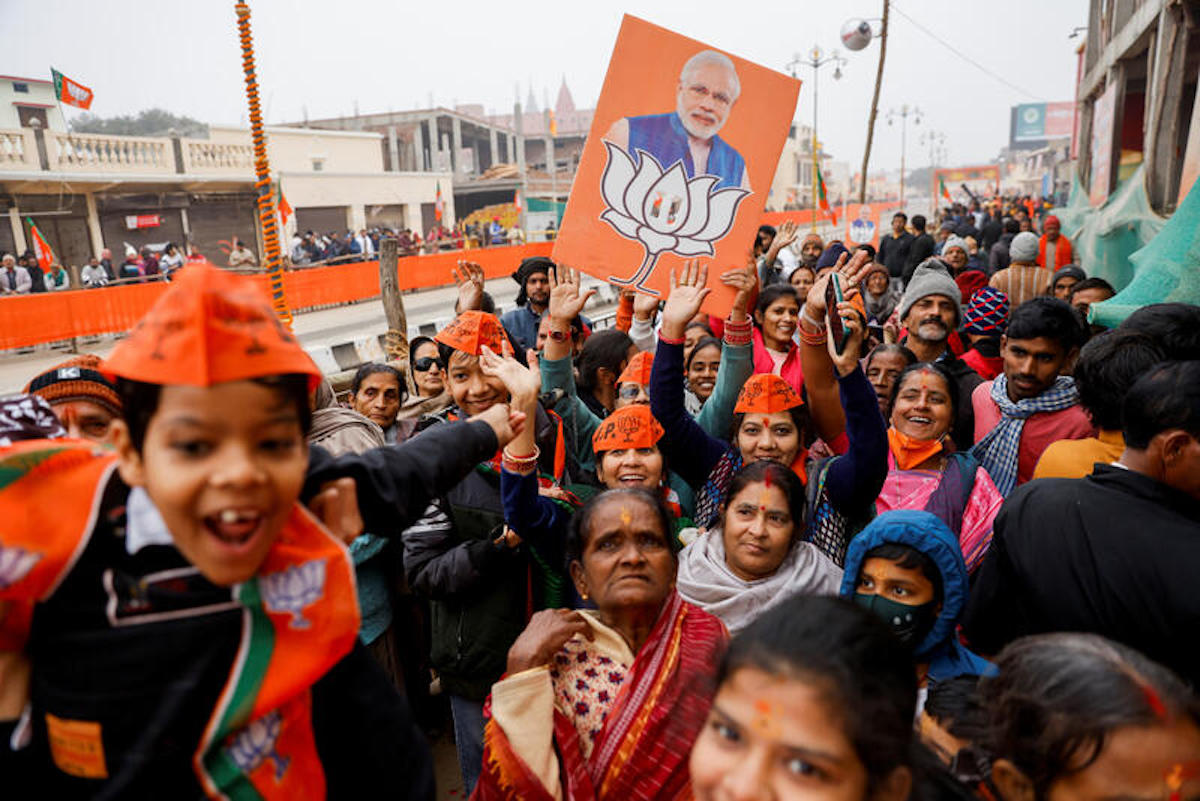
(327, 55)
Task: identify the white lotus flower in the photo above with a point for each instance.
(663, 210)
(256, 742)
(293, 589)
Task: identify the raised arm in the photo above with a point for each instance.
(820, 379)
(737, 356)
(691, 453)
(856, 477)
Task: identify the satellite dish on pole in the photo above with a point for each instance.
(856, 34)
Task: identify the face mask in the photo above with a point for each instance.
(909, 623)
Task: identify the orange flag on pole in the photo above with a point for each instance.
(41, 247)
(71, 92)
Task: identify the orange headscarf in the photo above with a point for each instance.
(766, 393)
(627, 427)
(638, 369)
(210, 327)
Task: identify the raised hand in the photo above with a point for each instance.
(847, 360)
(644, 306)
(566, 298)
(524, 383)
(469, 277)
(548, 631)
(851, 269)
(745, 281)
(785, 236)
(686, 297)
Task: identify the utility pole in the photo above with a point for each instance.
(862, 187)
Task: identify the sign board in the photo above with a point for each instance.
(1037, 122)
(136, 221)
(1104, 112)
(678, 163)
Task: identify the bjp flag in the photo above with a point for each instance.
(71, 92)
(681, 154)
(41, 248)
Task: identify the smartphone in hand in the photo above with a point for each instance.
(833, 296)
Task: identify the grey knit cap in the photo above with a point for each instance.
(931, 277)
(955, 241)
(1024, 247)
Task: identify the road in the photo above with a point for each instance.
(426, 309)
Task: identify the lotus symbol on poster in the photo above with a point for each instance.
(293, 589)
(256, 742)
(663, 210)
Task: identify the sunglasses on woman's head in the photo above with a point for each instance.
(425, 362)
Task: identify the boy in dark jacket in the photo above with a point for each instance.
(194, 632)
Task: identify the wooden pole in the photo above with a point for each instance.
(393, 301)
(883, 39)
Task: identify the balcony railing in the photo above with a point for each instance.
(210, 157)
(71, 152)
(31, 149)
(18, 150)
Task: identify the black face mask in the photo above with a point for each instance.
(909, 623)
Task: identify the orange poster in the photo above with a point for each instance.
(682, 151)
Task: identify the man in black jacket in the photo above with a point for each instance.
(921, 248)
(1113, 553)
(998, 258)
(894, 247)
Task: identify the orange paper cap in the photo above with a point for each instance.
(766, 393)
(627, 427)
(211, 326)
(471, 330)
(638, 369)
(856, 300)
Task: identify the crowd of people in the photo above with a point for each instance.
(900, 524)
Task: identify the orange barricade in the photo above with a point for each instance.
(49, 317)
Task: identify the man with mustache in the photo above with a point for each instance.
(930, 310)
(1032, 404)
(708, 88)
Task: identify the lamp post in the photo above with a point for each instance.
(904, 113)
(817, 58)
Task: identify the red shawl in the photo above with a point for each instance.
(791, 371)
(643, 749)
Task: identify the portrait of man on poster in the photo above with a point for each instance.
(704, 98)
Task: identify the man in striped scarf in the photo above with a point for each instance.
(1032, 404)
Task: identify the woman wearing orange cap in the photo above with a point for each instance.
(459, 554)
(771, 422)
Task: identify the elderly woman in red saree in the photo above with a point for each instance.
(605, 703)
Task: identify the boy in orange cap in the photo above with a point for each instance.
(195, 627)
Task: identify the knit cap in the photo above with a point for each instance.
(1024, 247)
(986, 313)
(956, 241)
(930, 278)
(75, 380)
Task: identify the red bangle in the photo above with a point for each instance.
(669, 341)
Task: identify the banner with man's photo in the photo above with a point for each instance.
(680, 157)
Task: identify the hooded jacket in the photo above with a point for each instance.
(924, 532)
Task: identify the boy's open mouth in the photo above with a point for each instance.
(234, 526)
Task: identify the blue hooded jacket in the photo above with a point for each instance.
(926, 533)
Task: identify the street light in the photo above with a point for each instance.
(817, 58)
(904, 113)
(936, 142)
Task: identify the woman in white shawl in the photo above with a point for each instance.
(755, 560)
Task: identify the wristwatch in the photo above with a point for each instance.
(560, 336)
